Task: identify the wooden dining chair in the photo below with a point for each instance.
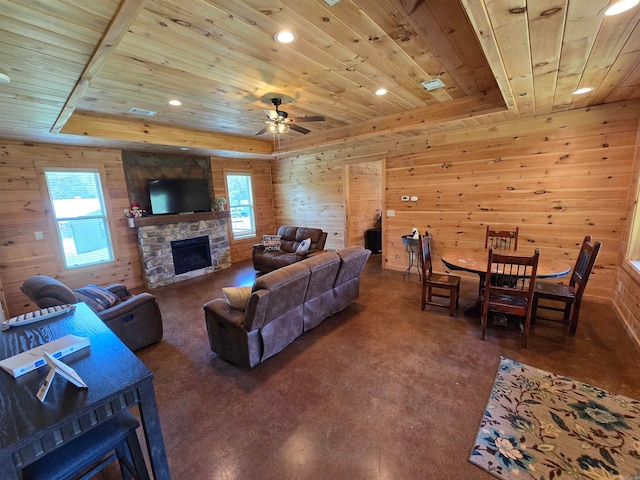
(503, 240)
(510, 281)
(441, 282)
(571, 294)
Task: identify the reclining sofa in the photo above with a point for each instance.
(135, 319)
(283, 305)
(265, 260)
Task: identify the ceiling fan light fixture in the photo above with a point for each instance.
(4, 78)
(285, 36)
(620, 6)
(583, 90)
(381, 91)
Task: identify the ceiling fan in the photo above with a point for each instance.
(280, 122)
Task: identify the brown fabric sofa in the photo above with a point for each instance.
(135, 319)
(283, 304)
(290, 238)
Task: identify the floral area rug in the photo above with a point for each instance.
(538, 425)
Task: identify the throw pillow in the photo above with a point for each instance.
(271, 243)
(97, 298)
(304, 245)
(237, 297)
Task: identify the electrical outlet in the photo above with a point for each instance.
(391, 213)
(405, 198)
(619, 286)
(414, 198)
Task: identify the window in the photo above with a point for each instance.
(240, 191)
(80, 216)
(633, 253)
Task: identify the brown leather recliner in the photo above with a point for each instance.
(290, 238)
(135, 319)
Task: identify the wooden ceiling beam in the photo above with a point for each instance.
(122, 20)
(457, 109)
(135, 131)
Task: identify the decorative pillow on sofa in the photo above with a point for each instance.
(97, 298)
(237, 297)
(271, 243)
(304, 245)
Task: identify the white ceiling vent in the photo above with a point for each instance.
(432, 84)
(140, 111)
(331, 2)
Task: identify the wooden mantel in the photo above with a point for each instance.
(185, 217)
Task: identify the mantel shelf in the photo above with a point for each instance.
(187, 217)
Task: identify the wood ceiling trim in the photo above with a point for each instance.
(123, 18)
(457, 109)
(117, 128)
(479, 18)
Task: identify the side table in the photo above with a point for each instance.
(413, 249)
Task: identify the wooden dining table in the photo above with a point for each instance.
(475, 260)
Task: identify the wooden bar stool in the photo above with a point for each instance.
(85, 456)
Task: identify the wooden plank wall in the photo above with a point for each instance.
(363, 198)
(558, 178)
(23, 213)
(626, 295)
(308, 190)
(263, 196)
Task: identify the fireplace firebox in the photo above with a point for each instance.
(190, 254)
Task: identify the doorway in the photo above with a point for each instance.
(364, 184)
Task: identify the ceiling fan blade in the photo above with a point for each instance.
(272, 114)
(298, 128)
(264, 130)
(310, 118)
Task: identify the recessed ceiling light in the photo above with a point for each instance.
(582, 90)
(621, 6)
(175, 103)
(4, 78)
(285, 36)
(381, 91)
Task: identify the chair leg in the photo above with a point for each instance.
(525, 332)
(534, 309)
(573, 326)
(452, 301)
(567, 313)
(139, 468)
(424, 295)
(485, 314)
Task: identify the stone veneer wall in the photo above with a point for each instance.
(155, 248)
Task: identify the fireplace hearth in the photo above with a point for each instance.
(157, 241)
(190, 254)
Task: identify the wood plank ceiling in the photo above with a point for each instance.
(78, 68)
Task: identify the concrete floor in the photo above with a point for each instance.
(379, 391)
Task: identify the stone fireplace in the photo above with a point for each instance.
(156, 235)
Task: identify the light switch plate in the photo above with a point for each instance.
(38, 235)
(414, 198)
(391, 213)
(404, 198)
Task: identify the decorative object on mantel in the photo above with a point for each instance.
(134, 212)
(219, 203)
(541, 425)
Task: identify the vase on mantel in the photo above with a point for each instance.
(130, 222)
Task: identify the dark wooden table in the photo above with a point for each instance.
(117, 381)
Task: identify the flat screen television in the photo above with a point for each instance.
(179, 195)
